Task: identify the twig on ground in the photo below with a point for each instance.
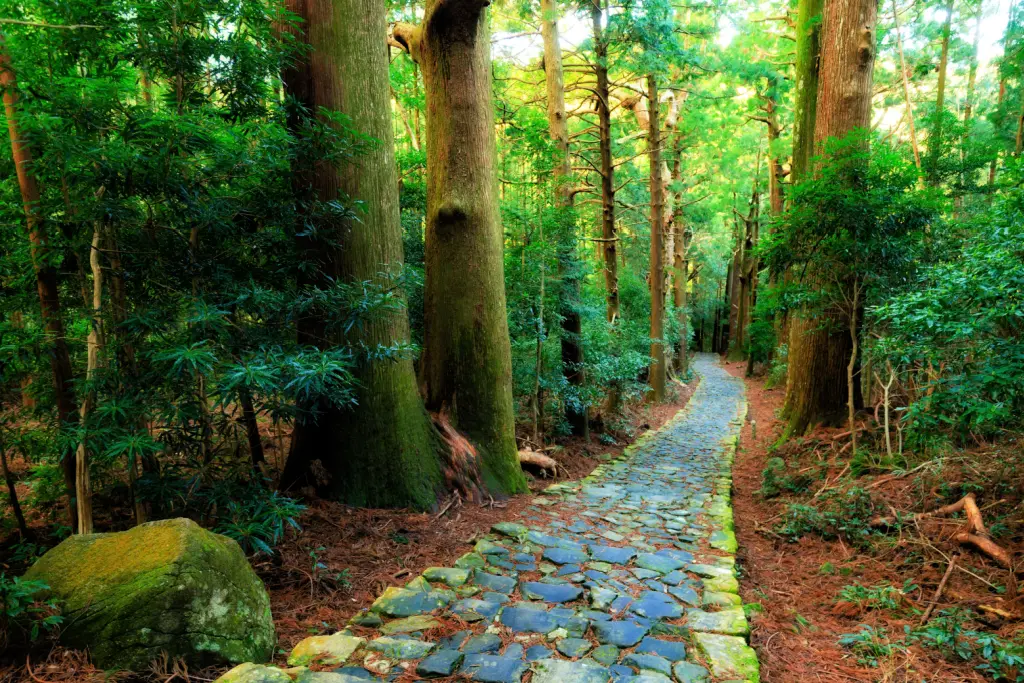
(938, 591)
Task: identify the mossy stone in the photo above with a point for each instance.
(168, 586)
(254, 673)
(330, 650)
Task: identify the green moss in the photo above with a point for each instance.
(165, 586)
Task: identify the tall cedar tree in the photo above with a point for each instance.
(467, 363)
(383, 451)
(558, 128)
(820, 346)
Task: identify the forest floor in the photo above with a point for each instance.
(799, 582)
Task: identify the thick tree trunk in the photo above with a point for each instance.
(467, 364)
(384, 451)
(656, 373)
(820, 346)
(568, 262)
(46, 276)
(604, 123)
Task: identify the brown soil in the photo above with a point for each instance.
(798, 584)
(362, 551)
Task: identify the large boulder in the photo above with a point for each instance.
(168, 586)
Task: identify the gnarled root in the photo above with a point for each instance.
(974, 534)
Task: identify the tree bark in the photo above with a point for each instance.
(94, 345)
(820, 346)
(383, 452)
(467, 364)
(604, 124)
(808, 55)
(568, 262)
(46, 275)
(656, 374)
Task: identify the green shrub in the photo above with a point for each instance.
(25, 610)
(775, 481)
(870, 645)
(845, 514)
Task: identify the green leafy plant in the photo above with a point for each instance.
(26, 611)
(845, 514)
(881, 596)
(259, 524)
(870, 645)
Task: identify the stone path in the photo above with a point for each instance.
(626, 576)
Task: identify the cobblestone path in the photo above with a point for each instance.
(627, 575)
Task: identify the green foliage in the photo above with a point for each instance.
(955, 331)
(871, 645)
(882, 596)
(26, 611)
(259, 523)
(834, 514)
(775, 480)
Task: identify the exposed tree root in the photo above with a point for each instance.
(545, 465)
(975, 534)
(461, 466)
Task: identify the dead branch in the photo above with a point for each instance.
(938, 591)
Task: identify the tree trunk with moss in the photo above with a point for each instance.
(569, 267)
(808, 54)
(467, 364)
(820, 345)
(383, 451)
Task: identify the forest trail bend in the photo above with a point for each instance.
(629, 572)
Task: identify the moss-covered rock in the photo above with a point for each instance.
(168, 586)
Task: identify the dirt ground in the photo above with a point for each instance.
(344, 557)
(797, 584)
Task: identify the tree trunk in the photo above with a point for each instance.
(906, 87)
(46, 276)
(569, 269)
(935, 140)
(467, 364)
(680, 263)
(604, 124)
(12, 491)
(656, 374)
(94, 345)
(820, 346)
(734, 346)
(808, 52)
(252, 432)
(972, 79)
(383, 451)
(995, 158)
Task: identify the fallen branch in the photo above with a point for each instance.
(891, 477)
(938, 591)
